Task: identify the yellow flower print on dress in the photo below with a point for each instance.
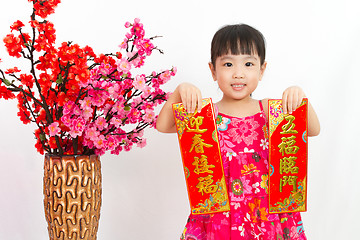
(256, 212)
(250, 168)
(266, 132)
(265, 182)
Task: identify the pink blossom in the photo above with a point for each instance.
(111, 143)
(117, 150)
(134, 115)
(68, 106)
(101, 123)
(114, 91)
(136, 102)
(123, 65)
(77, 127)
(91, 133)
(105, 69)
(116, 122)
(78, 124)
(88, 143)
(86, 102)
(127, 24)
(100, 142)
(141, 133)
(144, 46)
(147, 105)
(98, 97)
(164, 77)
(128, 35)
(66, 120)
(124, 44)
(118, 107)
(149, 115)
(141, 143)
(139, 82)
(54, 129)
(100, 151)
(76, 111)
(87, 113)
(146, 91)
(127, 145)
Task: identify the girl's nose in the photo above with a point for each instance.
(238, 73)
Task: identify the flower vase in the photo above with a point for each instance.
(72, 196)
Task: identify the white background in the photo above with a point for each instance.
(313, 44)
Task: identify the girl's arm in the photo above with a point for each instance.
(186, 93)
(292, 98)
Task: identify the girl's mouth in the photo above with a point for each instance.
(238, 85)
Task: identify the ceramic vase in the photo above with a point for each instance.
(72, 196)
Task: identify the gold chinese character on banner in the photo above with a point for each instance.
(288, 180)
(205, 185)
(201, 165)
(289, 126)
(286, 146)
(198, 144)
(287, 164)
(195, 124)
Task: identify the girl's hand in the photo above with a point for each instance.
(292, 98)
(186, 93)
(190, 97)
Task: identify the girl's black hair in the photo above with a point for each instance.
(237, 39)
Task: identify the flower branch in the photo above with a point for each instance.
(81, 102)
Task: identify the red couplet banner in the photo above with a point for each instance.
(288, 154)
(200, 151)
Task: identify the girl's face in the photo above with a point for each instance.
(237, 75)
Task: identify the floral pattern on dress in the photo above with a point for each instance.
(244, 150)
(244, 131)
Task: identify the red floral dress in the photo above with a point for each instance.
(244, 150)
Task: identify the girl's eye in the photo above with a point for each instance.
(249, 64)
(228, 64)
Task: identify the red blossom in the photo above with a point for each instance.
(118, 55)
(12, 70)
(41, 43)
(43, 8)
(42, 117)
(52, 143)
(45, 81)
(16, 26)
(13, 45)
(5, 93)
(62, 98)
(24, 115)
(104, 59)
(39, 147)
(27, 80)
(89, 51)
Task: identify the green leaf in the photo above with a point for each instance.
(7, 82)
(124, 75)
(127, 108)
(42, 137)
(60, 79)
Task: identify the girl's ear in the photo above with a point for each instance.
(212, 69)
(262, 70)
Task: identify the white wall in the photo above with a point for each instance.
(313, 44)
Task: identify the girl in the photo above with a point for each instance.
(237, 65)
